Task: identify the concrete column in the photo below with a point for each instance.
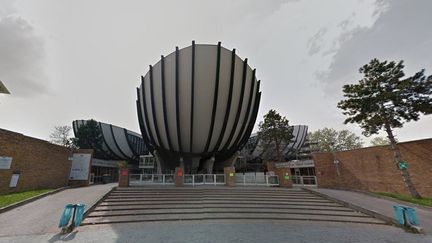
(208, 165)
(284, 174)
(158, 162)
(179, 174)
(194, 165)
(229, 176)
(124, 177)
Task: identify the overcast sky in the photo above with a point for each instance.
(67, 60)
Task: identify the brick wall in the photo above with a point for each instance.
(373, 169)
(42, 164)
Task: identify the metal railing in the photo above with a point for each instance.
(257, 180)
(304, 180)
(204, 179)
(151, 179)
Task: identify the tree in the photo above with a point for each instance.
(380, 141)
(61, 136)
(384, 99)
(89, 136)
(331, 140)
(274, 134)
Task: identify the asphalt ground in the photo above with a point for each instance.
(380, 205)
(43, 215)
(37, 222)
(231, 231)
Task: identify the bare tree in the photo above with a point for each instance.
(61, 136)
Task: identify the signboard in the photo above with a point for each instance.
(105, 163)
(5, 162)
(231, 174)
(295, 164)
(14, 180)
(124, 172)
(80, 167)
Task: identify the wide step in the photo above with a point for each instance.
(172, 204)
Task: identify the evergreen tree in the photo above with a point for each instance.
(274, 134)
(385, 99)
(89, 136)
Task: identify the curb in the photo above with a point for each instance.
(388, 220)
(89, 209)
(29, 200)
(413, 205)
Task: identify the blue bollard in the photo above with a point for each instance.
(399, 214)
(79, 214)
(411, 216)
(66, 216)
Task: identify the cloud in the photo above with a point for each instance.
(315, 42)
(22, 55)
(401, 32)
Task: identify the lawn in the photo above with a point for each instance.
(424, 201)
(12, 198)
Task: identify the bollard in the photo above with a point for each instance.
(65, 218)
(411, 216)
(77, 216)
(407, 217)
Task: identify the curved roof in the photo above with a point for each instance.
(201, 100)
(254, 149)
(118, 143)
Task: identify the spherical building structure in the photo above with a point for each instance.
(117, 143)
(197, 107)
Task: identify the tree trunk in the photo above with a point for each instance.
(397, 157)
(278, 156)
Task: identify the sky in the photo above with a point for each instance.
(66, 60)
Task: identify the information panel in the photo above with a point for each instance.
(80, 167)
(14, 180)
(5, 162)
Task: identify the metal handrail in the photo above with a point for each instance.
(304, 180)
(257, 180)
(148, 179)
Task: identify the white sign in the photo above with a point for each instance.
(105, 163)
(80, 167)
(14, 180)
(295, 164)
(5, 162)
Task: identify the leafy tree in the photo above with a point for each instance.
(379, 141)
(384, 99)
(89, 136)
(331, 140)
(274, 134)
(61, 136)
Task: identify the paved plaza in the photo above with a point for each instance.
(231, 231)
(382, 206)
(37, 221)
(43, 215)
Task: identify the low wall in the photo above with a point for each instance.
(373, 168)
(40, 163)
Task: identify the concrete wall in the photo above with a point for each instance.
(42, 164)
(373, 169)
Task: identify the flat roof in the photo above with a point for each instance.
(3, 88)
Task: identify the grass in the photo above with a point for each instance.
(424, 201)
(12, 198)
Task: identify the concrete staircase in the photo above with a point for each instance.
(142, 204)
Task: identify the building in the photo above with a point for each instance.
(118, 144)
(28, 163)
(197, 107)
